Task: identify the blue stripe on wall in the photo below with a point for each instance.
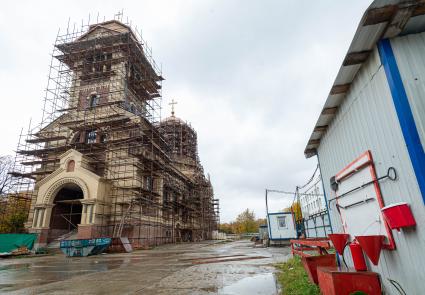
(404, 112)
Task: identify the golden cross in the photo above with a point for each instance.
(119, 15)
(172, 104)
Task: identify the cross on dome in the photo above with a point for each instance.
(172, 104)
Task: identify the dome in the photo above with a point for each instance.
(173, 119)
(180, 136)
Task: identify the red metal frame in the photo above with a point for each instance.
(369, 163)
(315, 244)
(369, 156)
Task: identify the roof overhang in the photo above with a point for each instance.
(383, 19)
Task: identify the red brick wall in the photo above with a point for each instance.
(102, 91)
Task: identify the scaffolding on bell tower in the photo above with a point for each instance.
(103, 99)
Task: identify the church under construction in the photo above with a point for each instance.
(102, 163)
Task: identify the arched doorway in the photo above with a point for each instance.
(186, 235)
(66, 212)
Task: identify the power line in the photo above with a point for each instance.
(292, 193)
(310, 180)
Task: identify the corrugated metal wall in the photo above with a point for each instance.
(410, 57)
(367, 121)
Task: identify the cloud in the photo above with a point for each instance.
(250, 76)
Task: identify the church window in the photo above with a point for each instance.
(70, 166)
(91, 136)
(149, 183)
(94, 100)
(103, 138)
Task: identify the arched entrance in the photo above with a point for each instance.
(186, 235)
(67, 210)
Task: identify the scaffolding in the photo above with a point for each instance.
(103, 99)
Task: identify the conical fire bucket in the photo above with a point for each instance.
(339, 241)
(372, 246)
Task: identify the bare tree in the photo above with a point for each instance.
(6, 164)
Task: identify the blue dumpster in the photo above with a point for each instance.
(84, 247)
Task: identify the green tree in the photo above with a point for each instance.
(227, 228)
(246, 223)
(14, 213)
(13, 223)
(296, 209)
(6, 165)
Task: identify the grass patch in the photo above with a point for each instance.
(294, 280)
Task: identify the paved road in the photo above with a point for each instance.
(197, 268)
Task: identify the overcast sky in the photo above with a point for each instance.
(250, 76)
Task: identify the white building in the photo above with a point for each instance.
(374, 115)
(312, 202)
(281, 226)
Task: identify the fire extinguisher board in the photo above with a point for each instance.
(359, 200)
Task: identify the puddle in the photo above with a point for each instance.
(263, 284)
(213, 257)
(21, 275)
(207, 261)
(15, 266)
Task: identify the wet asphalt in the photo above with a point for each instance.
(209, 267)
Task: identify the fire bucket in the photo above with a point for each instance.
(398, 215)
(358, 257)
(339, 241)
(372, 246)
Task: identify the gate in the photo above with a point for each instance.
(317, 225)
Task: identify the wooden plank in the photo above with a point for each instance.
(337, 89)
(398, 22)
(300, 253)
(310, 152)
(329, 111)
(45, 139)
(320, 128)
(354, 58)
(419, 10)
(379, 15)
(306, 248)
(323, 243)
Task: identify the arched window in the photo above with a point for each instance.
(94, 100)
(70, 166)
(91, 136)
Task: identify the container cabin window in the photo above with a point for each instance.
(281, 220)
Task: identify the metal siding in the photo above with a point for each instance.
(367, 120)
(409, 54)
(364, 39)
(404, 113)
